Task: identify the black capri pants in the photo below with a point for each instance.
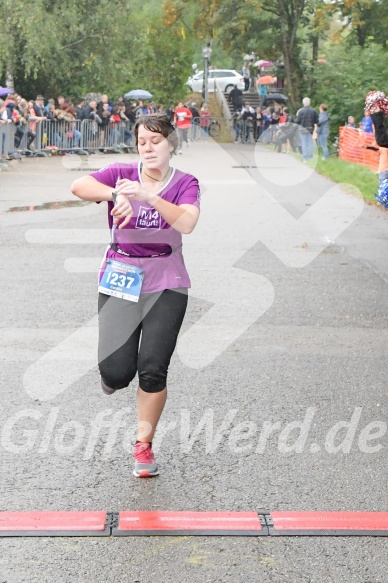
(139, 337)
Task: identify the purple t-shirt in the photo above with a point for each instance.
(147, 232)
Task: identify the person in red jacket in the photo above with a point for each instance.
(182, 121)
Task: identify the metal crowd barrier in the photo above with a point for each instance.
(7, 140)
(249, 132)
(39, 138)
(215, 128)
(107, 138)
(7, 137)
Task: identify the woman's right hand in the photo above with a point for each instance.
(122, 210)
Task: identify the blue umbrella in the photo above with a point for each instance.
(5, 91)
(138, 94)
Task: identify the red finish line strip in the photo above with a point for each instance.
(61, 521)
(329, 523)
(145, 522)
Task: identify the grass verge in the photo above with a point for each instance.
(359, 177)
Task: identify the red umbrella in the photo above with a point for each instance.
(266, 80)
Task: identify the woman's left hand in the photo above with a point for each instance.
(134, 190)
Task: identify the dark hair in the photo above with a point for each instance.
(160, 124)
(324, 106)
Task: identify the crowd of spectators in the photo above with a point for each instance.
(110, 121)
(273, 122)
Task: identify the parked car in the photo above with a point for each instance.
(226, 79)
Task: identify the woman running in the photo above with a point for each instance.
(143, 280)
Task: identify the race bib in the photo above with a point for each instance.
(121, 280)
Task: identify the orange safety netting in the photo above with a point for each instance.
(354, 147)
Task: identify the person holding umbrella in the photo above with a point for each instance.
(143, 281)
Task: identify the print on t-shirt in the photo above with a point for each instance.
(148, 218)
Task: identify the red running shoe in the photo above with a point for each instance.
(145, 465)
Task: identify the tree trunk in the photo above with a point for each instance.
(289, 20)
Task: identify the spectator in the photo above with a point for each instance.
(23, 110)
(79, 110)
(195, 120)
(170, 112)
(94, 124)
(381, 136)
(182, 120)
(105, 116)
(100, 105)
(39, 108)
(115, 125)
(262, 91)
(248, 116)
(204, 118)
(32, 119)
(140, 109)
(350, 122)
(236, 97)
(4, 121)
(323, 129)
(60, 101)
(246, 75)
(367, 124)
(284, 137)
(237, 125)
(130, 113)
(307, 118)
(252, 76)
(259, 123)
(90, 110)
(51, 101)
(274, 125)
(54, 138)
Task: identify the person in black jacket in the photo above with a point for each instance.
(39, 106)
(195, 120)
(307, 117)
(381, 137)
(236, 97)
(80, 109)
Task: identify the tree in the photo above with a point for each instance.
(108, 46)
(344, 80)
(365, 19)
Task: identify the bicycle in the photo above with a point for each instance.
(214, 129)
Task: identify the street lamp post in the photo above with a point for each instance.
(206, 53)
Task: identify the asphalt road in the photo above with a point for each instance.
(277, 392)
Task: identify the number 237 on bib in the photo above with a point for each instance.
(121, 281)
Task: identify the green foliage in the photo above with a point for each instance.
(78, 46)
(75, 47)
(347, 76)
(366, 20)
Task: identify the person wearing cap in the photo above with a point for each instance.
(195, 120)
(39, 107)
